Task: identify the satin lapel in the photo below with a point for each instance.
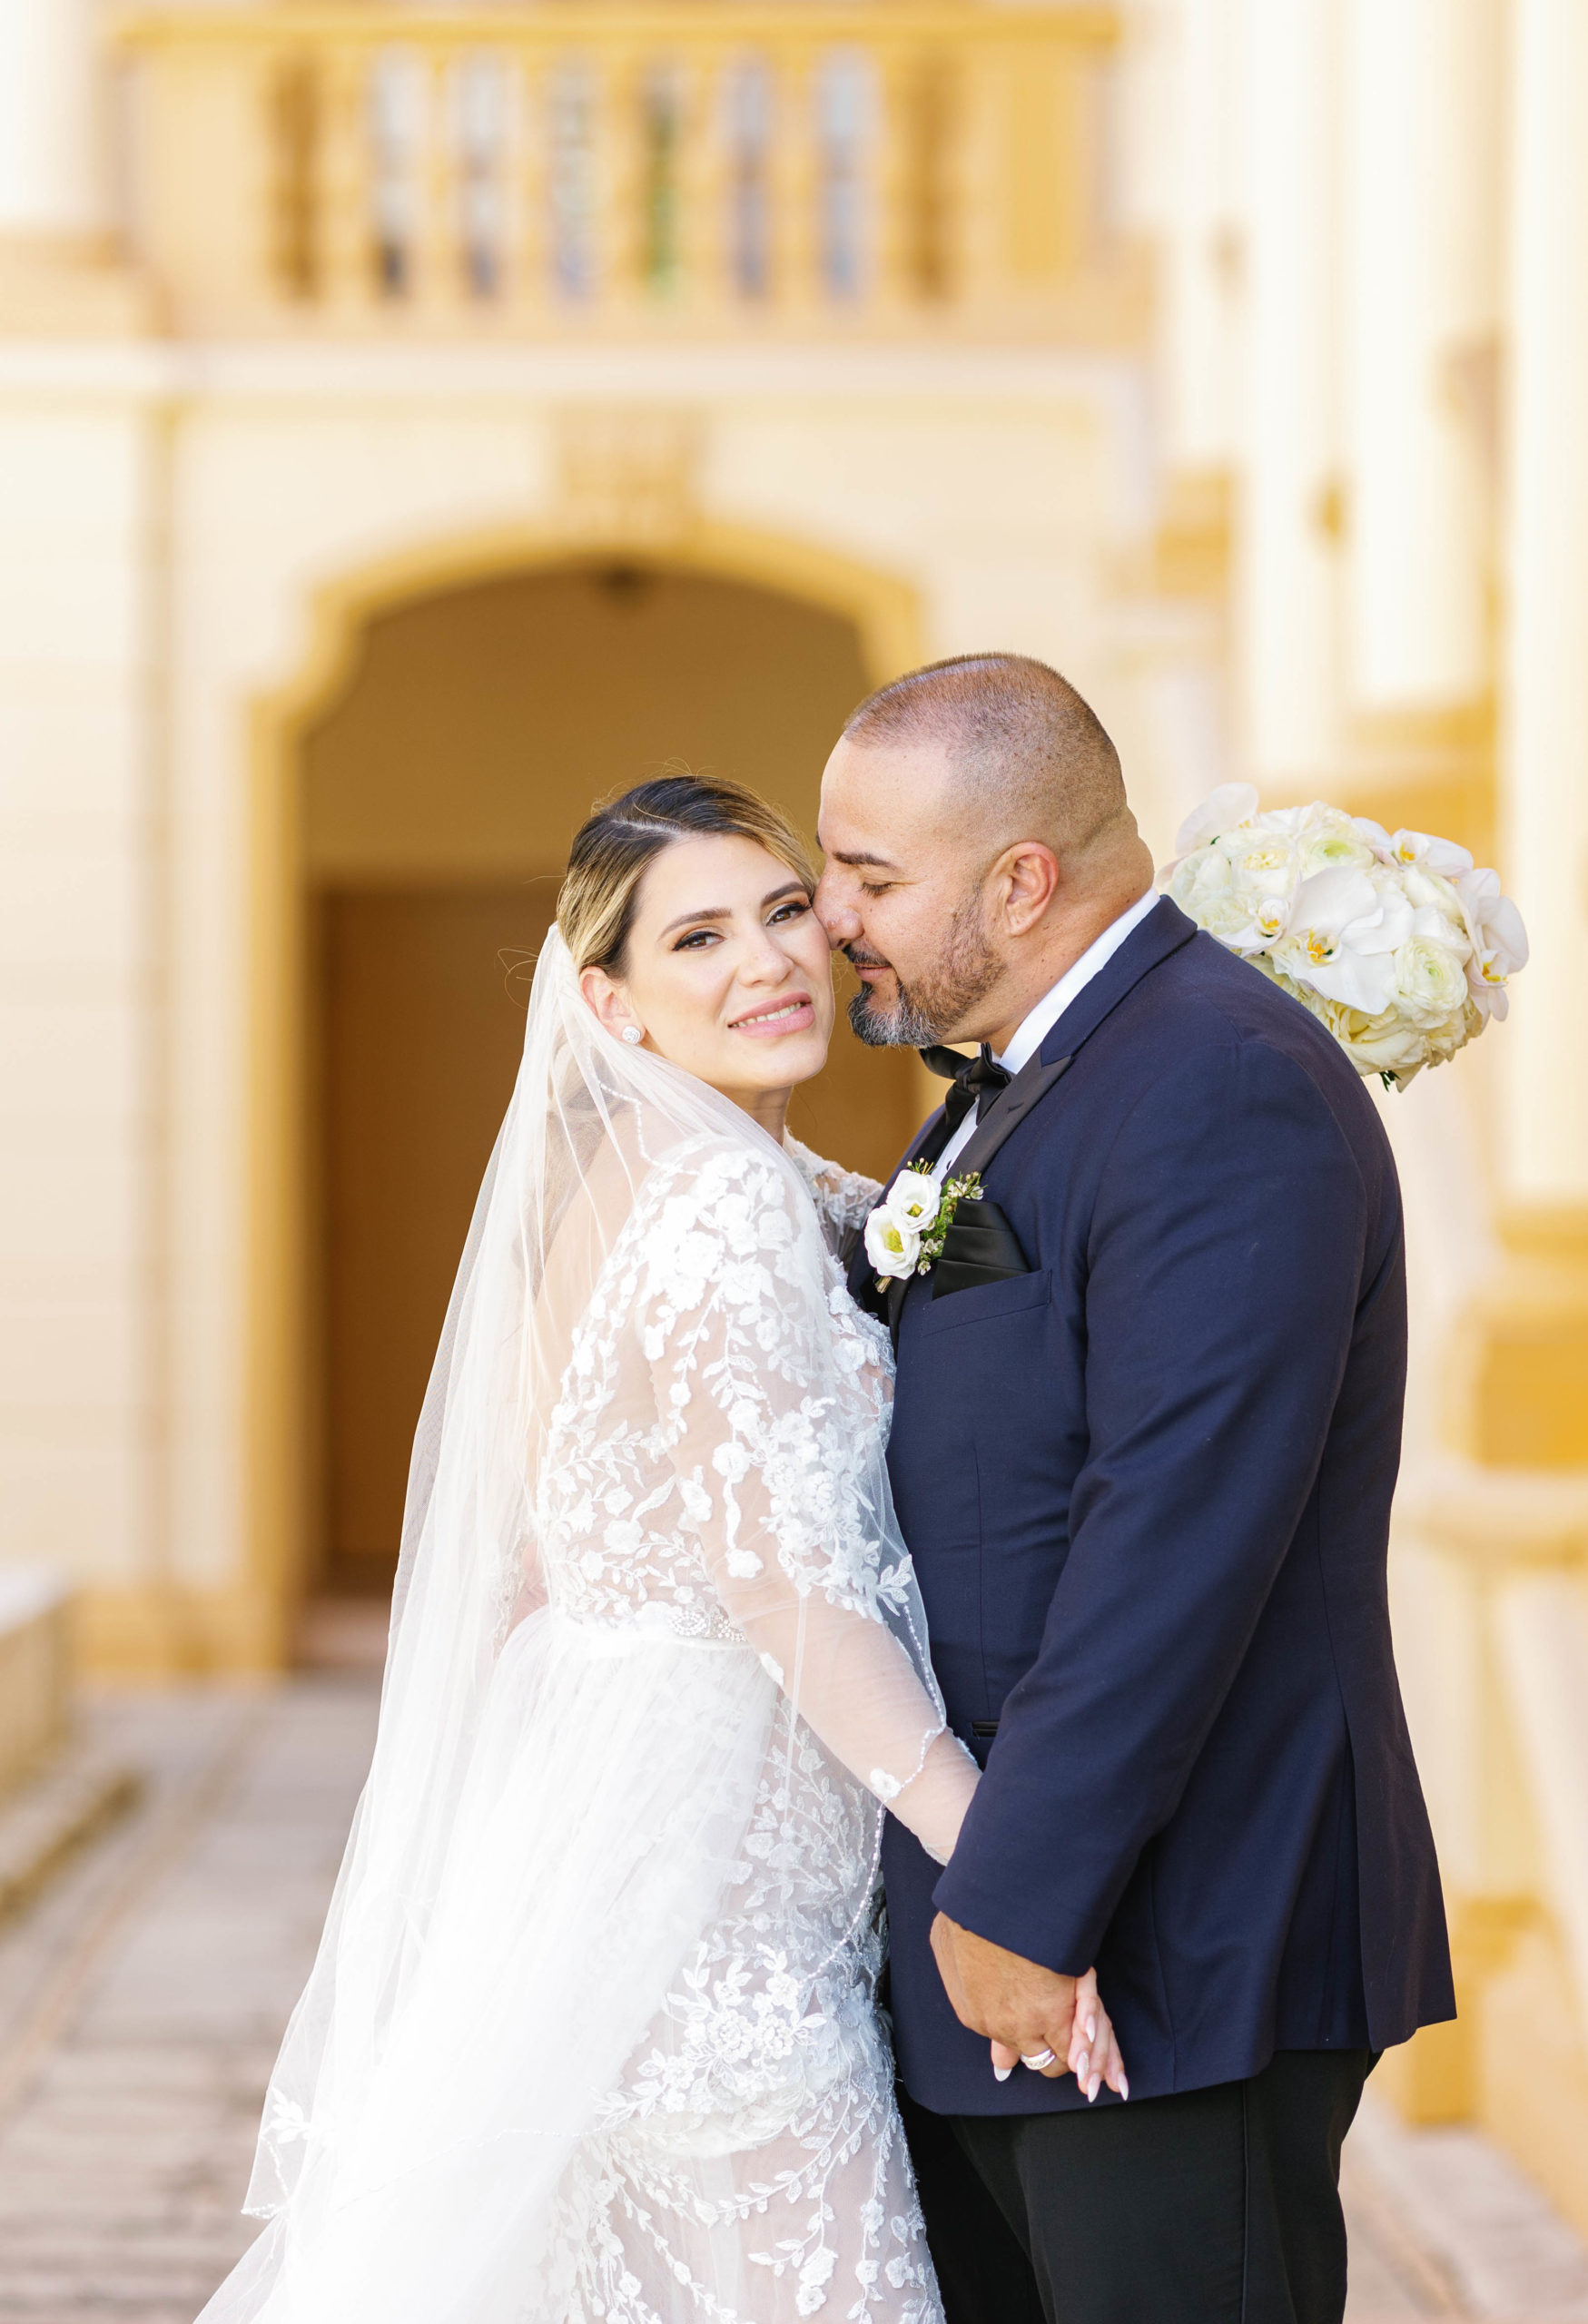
(1006, 1113)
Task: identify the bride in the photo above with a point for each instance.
(592, 2030)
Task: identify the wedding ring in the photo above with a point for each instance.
(1038, 2059)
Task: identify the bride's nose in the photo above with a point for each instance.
(765, 961)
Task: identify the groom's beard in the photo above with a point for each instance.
(964, 972)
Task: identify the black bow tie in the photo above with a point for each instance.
(973, 1081)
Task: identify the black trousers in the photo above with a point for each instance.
(1216, 2205)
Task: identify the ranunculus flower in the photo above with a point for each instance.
(891, 1249)
(1343, 936)
(1331, 842)
(914, 1199)
(1430, 980)
(1266, 864)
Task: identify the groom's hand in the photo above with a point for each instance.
(1020, 2007)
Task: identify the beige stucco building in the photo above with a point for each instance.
(416, 420)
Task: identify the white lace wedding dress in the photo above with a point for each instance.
(592, 2032)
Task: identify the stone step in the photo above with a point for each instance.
(75, 1795)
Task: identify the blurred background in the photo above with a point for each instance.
(417, 421)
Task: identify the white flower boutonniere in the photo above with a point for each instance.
(905, 1233)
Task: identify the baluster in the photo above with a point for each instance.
(344, 204)
(573, 130)
(528, 249)
(888, 176)
(796, 182)
(292, 131)
(432, 173)
(478, 116)
(620, 179)
(742, 132)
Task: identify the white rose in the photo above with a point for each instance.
(891, 1249)
(1344, 933)
(913, 1200)
(1221, 811)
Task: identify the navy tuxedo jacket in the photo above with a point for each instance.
(1147, 1487)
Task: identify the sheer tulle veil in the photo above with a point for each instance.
(499, 1930)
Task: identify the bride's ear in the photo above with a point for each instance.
(610, 1003)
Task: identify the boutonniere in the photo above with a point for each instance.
(905, 1233)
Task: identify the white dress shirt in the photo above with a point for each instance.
(1036, 1027)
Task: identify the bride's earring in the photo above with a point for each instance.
(633, 1036)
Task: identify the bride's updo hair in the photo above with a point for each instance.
(600, 890)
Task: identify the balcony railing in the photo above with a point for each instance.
(621, 167)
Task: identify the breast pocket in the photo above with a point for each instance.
(987, 1302)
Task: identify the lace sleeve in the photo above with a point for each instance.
(773, 1392)
(844, 1200)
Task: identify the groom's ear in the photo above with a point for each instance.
(1025, 879)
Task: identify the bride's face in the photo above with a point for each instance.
(727, 970)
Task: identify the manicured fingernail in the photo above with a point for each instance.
(1124, 2087)
(1096, 2084)
(1001, 2074)
(1091, 2029)
(1081, 2065)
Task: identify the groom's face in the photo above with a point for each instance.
(902, 894)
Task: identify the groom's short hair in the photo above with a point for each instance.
(1036, 754)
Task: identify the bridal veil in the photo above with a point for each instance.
(647, 1512)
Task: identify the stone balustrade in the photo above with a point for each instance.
(688, 168)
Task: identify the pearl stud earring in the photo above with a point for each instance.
(633, 1036)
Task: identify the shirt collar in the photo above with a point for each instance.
(1035, 1027)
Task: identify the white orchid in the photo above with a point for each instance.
(1430, 854)
(1395, 943)
(1498, 939)
(1342, 938)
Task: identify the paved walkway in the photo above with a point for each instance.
(141, 2000)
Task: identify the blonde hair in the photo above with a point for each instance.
(600, 890)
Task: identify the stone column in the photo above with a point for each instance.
(50, 164)
(1201, 238)
(1289, 490)
(1420, 291)
(1544, 797)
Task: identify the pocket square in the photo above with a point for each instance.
(979, 1247)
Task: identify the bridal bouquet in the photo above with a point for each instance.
(1397, 944)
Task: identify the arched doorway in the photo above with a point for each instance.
(441, 786)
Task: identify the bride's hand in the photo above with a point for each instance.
(1094, 2056)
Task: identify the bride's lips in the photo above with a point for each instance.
(793, 1014)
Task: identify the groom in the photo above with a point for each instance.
(1146, 1433)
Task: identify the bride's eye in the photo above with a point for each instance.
(695, 939)
(796, 908)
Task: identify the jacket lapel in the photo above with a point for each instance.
(1163, 931)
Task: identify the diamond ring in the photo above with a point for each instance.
(1038, 2059)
